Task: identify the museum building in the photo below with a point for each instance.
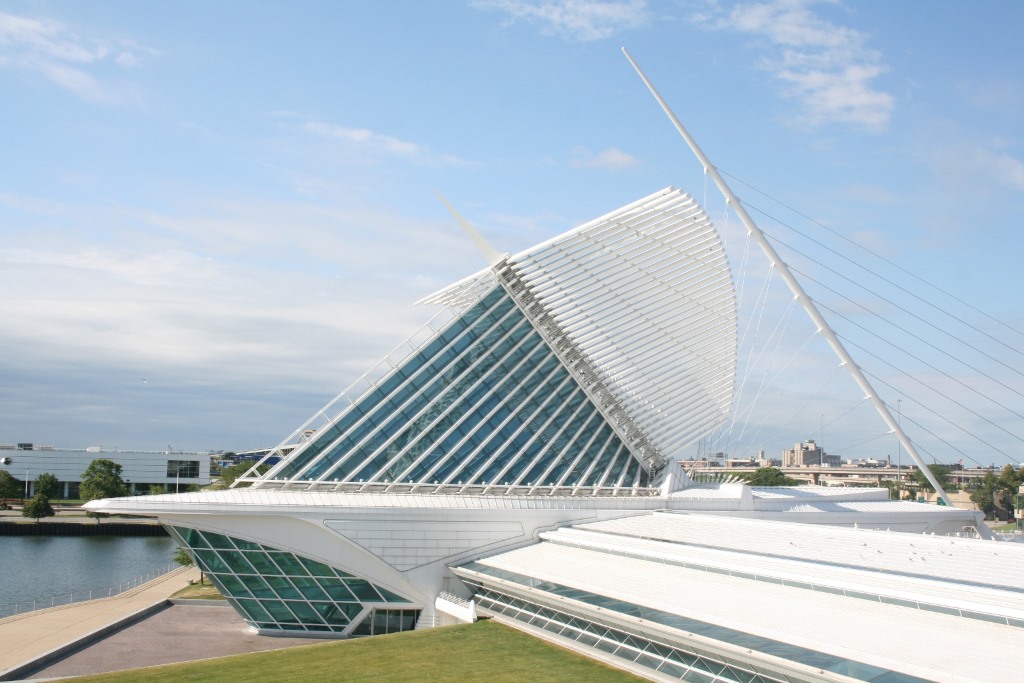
(518, 458)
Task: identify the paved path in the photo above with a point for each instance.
(155, 634)
(176, 634)
(25, 637)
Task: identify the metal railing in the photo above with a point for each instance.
(82, 595)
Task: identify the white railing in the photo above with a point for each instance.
(82, 595)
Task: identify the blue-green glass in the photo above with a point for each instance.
(262, 563)
(210, 562)
(236, 561)
(257, 586)
(280, 613)
(253, 610)
(232, 586)
(218, 540)
(288, 564)
(283, 587)
(309, 588)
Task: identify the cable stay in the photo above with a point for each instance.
(888, 262)
(944, 419)
(946, 395)
(891, 303)
(926, 363)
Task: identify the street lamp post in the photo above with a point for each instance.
(899, 452)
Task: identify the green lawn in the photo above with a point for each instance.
(485, 650)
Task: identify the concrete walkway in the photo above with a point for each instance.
(28, 637)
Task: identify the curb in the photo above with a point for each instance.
(26, 668)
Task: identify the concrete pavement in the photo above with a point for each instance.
(48, 634)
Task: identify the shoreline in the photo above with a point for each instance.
(75, 523)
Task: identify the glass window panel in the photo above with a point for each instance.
(389, 596)
(673, 669)
(337, 590)
(231, 585)
(279, 611)
(331, 613)
(365, 627)
(192, 537)
(218, 540)
(236, 561)
(648, 661)
(262, 564)
(303, 610)
(253, 610)
(288, 563)
(283, 587)
(257, 586)
(246, 545)
(363, 590)
(309, 588)
(210, 561)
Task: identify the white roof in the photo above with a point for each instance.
(668, 569)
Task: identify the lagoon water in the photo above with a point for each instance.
(45, 567)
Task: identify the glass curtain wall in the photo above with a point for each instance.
(484, 403)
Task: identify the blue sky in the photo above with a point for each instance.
(215, 216)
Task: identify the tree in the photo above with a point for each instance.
(48, 485)
(994, 493)
(984, 494)
(102, 479)
(38, 507)
(182, 557)
(157, 489)
(9, 486)
(769, 476)
(941, 474)
(232, 472)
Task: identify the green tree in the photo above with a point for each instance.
(1009, 480)
(38, 507)
(232, 472)
(48, 485)
(182, 557)
(941, 474)
(9, 486)
(157, 490)
(769, 476)
(984, 494)
(102, 479)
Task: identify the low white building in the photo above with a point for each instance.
(174, 470)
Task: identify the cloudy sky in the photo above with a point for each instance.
(215, 216)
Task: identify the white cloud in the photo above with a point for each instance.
(223, 297)
(47, 48)
(827, 68)
(610, 159)
(582, 20)
(377, 144)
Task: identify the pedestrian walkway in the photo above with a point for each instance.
(29, 636)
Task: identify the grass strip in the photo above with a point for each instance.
(485, 650)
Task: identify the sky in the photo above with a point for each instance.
(216, 216)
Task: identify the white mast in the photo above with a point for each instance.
(798, 291)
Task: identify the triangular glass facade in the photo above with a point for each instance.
(485, 403)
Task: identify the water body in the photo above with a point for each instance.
(55, 568)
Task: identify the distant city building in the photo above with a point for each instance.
(141, 469)
(809, 454)
(866, 462)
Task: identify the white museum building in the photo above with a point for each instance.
(517, 459)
